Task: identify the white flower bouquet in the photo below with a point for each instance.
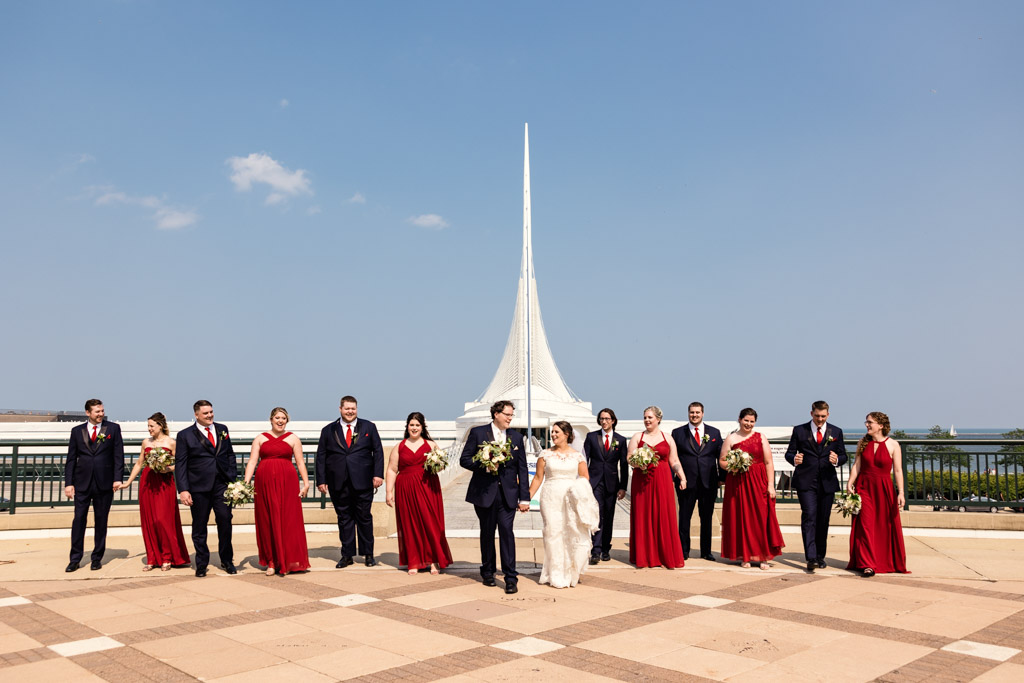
(239, 493)
(644, 458)
(492, 455)
(436, 461)
(848, 503)
(159, 459)
(737, 461)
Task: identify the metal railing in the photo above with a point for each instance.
(944, 474)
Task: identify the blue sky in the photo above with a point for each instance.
(741, 203)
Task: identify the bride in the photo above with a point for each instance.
(567, 507)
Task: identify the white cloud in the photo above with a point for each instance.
(313, 210)
(166, 217)
(284, 103)
(357, 198)
(429, 220)
(261, 168)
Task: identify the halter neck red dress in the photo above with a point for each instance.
(876, 533)
(750, 529)
(653, 529)
(280, 529)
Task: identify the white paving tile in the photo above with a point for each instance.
(529, 646)
(705, 601)
(80, 647)
(350, 600)
(17, 600)
(984, 650)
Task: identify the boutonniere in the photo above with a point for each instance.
(705, 439)
(224, 435)
(102, 437)
(615, 443)
(830, 439)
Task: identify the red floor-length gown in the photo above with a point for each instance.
(750, 529)
(653, 529)
(876, 534)
(419, 512)
(280, 530)
(161, 521)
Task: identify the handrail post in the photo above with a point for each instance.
(14, 478)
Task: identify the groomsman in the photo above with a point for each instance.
(815, 450)
(497, 496)
(92, 472)
(204, 465)
(605, 450)
(350, 467)
(699, 446)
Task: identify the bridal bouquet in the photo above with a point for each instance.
(436, 461)
(737, 461)
(644, 458)
(239, 493)
(160, 460)
(848, 503)
(492, 455)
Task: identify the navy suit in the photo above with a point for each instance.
(92, 468)
(815, 482)
(495, 497)
(609, 473)
(205, 472)
(348, 472)
(700, 465)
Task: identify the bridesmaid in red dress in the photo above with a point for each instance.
(750, 529)
(280, 530)
(158, 503)
(653, 529)
(876, 535)
(416, 496)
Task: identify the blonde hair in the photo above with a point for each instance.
(277, 410)
(656, 410)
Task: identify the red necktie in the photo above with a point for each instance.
(819, 434)
(696, 435)
(209, 435)
(348, 435)
(94, 428)
(607, 446)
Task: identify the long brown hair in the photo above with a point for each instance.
(883, 421)
(418, 416)
(161, 422)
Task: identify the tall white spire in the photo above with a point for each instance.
(527, 372)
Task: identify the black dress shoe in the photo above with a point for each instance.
(511, 588)
(822, 565)
(811, 566)
(594, 559)
(605, 557)
(709, 557)
(490, 582)
(345, 561)
(72, 567)
(229, 568)
(96, 564)
(370, 562)
(868, 572)
(201, 572)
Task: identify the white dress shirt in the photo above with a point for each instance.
(213, 430)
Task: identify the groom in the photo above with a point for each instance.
(815, 450)
(699, 446)
(605, 451)
(497, 496)
(204, 465)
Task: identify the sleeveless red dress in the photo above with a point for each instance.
(280, 530)
(750, 529)
(653, 529)
(419, 512)
(161, 521)
(876, 534)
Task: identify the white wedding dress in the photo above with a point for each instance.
(570, 514)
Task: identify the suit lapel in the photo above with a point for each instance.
(202, 437)
(85, 435)
(219, 438)
(339, 437)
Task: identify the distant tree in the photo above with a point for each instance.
(1014, 454)
(949, 456)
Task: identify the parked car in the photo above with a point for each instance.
(978, 499)
(1016, 505)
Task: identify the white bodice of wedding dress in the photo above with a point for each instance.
(570, 514)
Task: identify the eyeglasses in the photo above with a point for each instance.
(604, 419)
(509, 414)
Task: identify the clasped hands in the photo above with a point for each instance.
(832, 458)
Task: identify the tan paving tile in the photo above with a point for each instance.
(130, 622)
(532, 669)
(306, 645)
(530, 621)
(265, 630)
(58, 669)
(1004, 673)
(337, 620)
(476, 610)
(353, 662)
(216, 664)
(408, 640)
(767, 646)
(866, 656)
(707, 663)
(286, 672)
(204, 610)
(626, 644)
(196, 643)
(12, 642)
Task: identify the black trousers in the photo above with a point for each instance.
(606, 500)
(815, 510)
(703, 498)
(202, 503)
(501, 517)
(100, 501)
(354, 519)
